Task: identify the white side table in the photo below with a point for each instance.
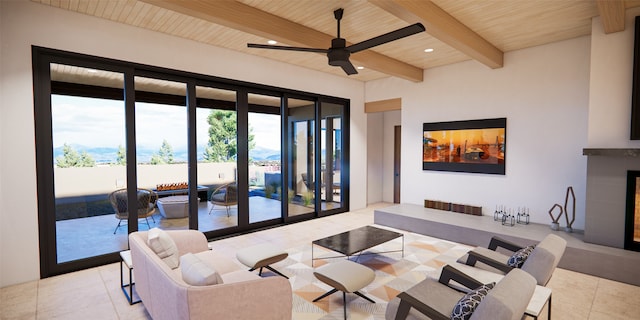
(125, 258)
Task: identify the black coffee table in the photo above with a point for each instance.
(356, 241)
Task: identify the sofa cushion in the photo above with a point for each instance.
(196, 272)
(518, 258)
(161, 243)
(470, 301)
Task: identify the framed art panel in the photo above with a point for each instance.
(477, 146)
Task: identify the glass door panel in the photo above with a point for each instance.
(265, 178)
(301, 142)
(331, 156)
(88, 134)
(216, 136)
(161, 151)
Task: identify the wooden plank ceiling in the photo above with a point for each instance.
(457, 30)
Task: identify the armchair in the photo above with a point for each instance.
(145, 206)
(225, 195)
(431, 299)
(540, 262)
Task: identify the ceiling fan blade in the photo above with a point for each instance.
(264, 46)
(387, 37)
(347, 67)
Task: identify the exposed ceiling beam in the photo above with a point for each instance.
(248, 19)
(445, 28)
(612, 15)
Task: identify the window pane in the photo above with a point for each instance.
(265, 179)
(302, 168)
(161, 151)
(216, 139)
(88, 134)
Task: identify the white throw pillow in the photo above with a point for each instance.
(196, 272)
(161, 243)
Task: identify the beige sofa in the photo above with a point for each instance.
(242, 295)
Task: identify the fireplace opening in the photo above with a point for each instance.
(632, 222)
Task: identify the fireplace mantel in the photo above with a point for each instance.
(612, 152)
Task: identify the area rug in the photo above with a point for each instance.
(423, 256)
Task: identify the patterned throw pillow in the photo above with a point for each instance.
(470, 301)
(518, 258)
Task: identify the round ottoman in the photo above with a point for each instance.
(345, 276)
(261, 256)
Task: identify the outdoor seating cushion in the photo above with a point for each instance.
(164, 246)
(345, 275)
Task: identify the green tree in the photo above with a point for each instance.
(71, 158)
(223, 144)
(122, 156)
(164, 155)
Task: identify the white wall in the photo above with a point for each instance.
(611, 82)
(24, 23)
(542, 91)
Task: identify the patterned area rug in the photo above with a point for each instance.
(423, 256)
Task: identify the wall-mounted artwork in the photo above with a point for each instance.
(465, 146)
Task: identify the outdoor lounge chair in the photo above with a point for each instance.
(540, 260)
(225, 195)
(145, 207)
(439, 300)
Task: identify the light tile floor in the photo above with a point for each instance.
(95, 293)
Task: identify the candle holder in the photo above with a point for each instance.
(497, 215)
(508, 220)
(523, 217)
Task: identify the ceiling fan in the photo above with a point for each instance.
(339, 53)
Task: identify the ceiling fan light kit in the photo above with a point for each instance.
(338, 54)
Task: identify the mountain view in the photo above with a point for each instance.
(105, 155)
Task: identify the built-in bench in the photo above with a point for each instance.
(601, 261)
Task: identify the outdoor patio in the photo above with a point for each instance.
(91, 236)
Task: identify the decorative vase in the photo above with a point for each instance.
(555, 226)
(568, 229)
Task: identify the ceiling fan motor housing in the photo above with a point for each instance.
(338, 54)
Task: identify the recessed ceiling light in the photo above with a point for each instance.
(428, 50)
(272, 42)
(360, 67)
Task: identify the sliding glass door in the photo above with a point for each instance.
(122, 147)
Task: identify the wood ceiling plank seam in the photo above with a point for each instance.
(100, 8)
(91, 8)
(139, 19)
(168, 21)
(64, 4)
(73, 5)
(158, 19)
(189, 27)
(199, 30)
(147, 19)
(108, 9)
(134, 10)
(82, 6)
(180, 24)
(116, 12)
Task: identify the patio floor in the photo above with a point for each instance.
(92, 236)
